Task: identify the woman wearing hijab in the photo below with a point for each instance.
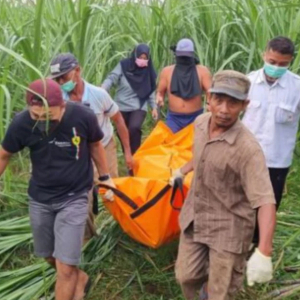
(135, 79)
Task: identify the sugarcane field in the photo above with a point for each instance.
(150, 149)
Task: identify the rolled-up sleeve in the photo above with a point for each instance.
(14, 139)
(152, 102)
(112, 78)
(110, 107)
(256, 180)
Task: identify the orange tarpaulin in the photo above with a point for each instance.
(142, 204)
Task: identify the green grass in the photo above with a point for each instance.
(133, 271)
(227, 34)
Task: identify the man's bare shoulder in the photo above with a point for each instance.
(168, 69)
(203, 70)
(166, 72)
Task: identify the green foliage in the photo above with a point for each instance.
(228, 34)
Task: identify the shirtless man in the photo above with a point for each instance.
(184, 83)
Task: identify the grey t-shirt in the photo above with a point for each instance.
(125, 97)
(102, 105)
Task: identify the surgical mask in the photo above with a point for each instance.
(68, 86)
(141, 63)
(274, 71)
(47, 126)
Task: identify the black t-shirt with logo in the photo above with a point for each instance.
(61, 160)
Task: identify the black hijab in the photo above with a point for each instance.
(141, 80)
(185, 82)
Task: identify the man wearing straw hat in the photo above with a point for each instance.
(61, 151)
(230, 182)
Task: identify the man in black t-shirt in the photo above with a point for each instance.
(63, 139)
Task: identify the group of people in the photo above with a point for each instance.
(240, 167)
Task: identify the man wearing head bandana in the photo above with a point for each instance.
(135, 79)
(62, 148)
(184, 84)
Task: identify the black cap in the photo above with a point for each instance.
(63, 64)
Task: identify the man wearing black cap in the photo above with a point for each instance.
(61, 148)
(230, 182)
(184, 83)
(66, 71)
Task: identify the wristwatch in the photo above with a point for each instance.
(104, 177)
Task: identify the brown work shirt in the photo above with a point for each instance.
(230, 180)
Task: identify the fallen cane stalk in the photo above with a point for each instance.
(279, 260)
(285, 282)
(277, 293)
(290, 292)
(288, 224)
(292, 269)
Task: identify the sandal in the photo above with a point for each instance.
(203, 295)
(87, 287)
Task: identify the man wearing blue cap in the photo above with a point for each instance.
(184, 84)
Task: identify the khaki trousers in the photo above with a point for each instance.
(111, 158)
(197, 263)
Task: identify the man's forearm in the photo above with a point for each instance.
(4, 160)
(266, 224)
(124, 136)
(187, 168)
(99, 158)
(3, 164)
(160, 96)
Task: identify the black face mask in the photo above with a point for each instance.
(47, 127)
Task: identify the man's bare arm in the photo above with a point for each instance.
(124, 137)
(99, 158)
(162, 88)
(4, 159)
(206, 79)
(187, 168)
(266, 224)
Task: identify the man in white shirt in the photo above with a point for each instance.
(274, 109)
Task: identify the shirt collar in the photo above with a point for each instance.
(261, 78)
(229, 135)
(85, 95)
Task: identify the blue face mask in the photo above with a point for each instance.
(68, 86)
(274, 71)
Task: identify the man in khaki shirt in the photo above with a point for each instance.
(230, 181)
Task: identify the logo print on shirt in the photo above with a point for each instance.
(76, 142)
(61, 144)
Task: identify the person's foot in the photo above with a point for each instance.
(83, 285)
(203, 292)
